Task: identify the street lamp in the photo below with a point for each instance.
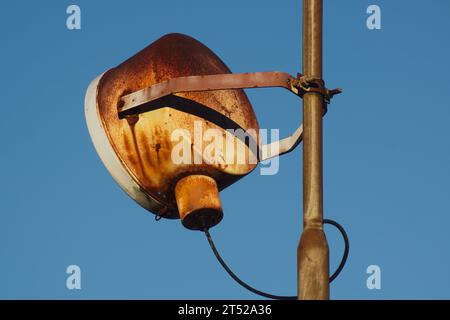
(133, 110)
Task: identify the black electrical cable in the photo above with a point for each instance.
(271, 296)
(346, 249)
(236, 278)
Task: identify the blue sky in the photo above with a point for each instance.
(386, 153)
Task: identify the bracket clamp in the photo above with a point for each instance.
(130, 103)
(305, 84)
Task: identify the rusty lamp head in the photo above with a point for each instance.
(133, 110)
(136, 149)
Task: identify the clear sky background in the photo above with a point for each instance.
(386, 153)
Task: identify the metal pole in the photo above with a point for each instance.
(313, 264)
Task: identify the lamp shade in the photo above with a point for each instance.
(137, 149)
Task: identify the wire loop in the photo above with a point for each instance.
(272, 296)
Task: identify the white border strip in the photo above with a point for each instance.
(109, 156)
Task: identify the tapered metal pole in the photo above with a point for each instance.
(313, 260)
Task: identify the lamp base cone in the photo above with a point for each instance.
(198, 202)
